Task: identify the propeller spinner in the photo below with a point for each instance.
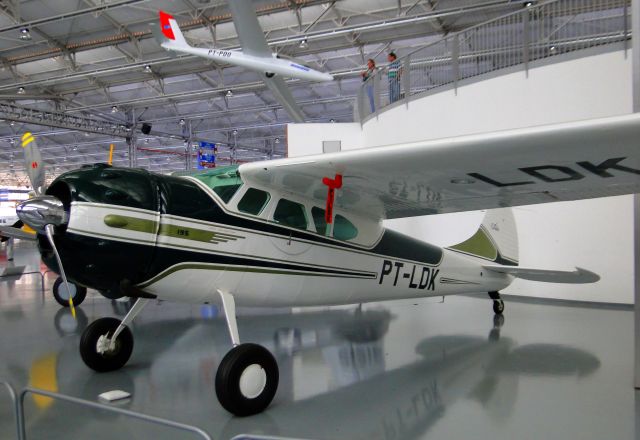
(42, 213)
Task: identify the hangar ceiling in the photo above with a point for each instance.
(91, 68)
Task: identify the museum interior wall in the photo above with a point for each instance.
(594, 234)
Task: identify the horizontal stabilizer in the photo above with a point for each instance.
(578, 276)
(11, 232)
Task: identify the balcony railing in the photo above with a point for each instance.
(541, 30)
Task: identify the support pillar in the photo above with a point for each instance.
(132, 139)
(635, 58)
(188, 147)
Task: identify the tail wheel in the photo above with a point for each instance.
(95, 349)
(77, 292)
(247, 380)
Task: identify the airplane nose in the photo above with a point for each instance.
(41, 211)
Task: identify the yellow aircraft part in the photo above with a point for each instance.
(27, 138)
(111, 154)
(27, 229)
(43, 375)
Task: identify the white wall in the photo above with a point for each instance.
(305, 139)
(594, 234)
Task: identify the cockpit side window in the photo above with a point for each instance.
(253, 201)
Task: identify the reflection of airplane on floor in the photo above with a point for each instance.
(308, 231)
(367, 401)
(406, 402)
(255, 54)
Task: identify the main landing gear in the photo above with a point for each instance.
(498, 304)
(247, 377)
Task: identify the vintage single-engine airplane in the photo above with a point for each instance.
(255, 54)
(308, 231)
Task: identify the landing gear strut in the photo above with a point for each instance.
(247, 377)
(498, 304)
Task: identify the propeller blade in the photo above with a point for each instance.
(49, 231)
(11, 232)
(33, 162)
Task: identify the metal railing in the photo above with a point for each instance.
(537, 31)
(16, 407)
(18, 403)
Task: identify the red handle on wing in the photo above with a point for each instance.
(332, 184)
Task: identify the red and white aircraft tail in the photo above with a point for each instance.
(168, 33)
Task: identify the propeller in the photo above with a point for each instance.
(42, 213)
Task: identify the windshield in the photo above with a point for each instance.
(224, 181)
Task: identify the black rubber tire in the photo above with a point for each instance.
(228, 379)
(109, 361)
(80, 295)
(498, 307)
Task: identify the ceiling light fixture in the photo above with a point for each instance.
(147, 69)
(25, 35)
(303, 44)
(114, 109)
(277, 140)
(182, 122)
(21, 91)
(229, 94)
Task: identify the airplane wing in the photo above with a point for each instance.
(249, 30)
(570, 161)
(253, 43)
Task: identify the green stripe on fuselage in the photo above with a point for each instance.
(150, 226)
(131, 223)
(248, 269)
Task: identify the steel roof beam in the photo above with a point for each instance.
(78, 13)
(16, 113)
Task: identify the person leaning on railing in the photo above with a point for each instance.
(366, 76)
(394, 71)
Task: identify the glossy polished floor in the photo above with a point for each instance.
(397, 370)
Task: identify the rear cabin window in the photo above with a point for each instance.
(253, 201)
(224, 181)
(290, 214)
(343, 229)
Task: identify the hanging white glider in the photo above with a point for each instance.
(308, 231)
(255, 54)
